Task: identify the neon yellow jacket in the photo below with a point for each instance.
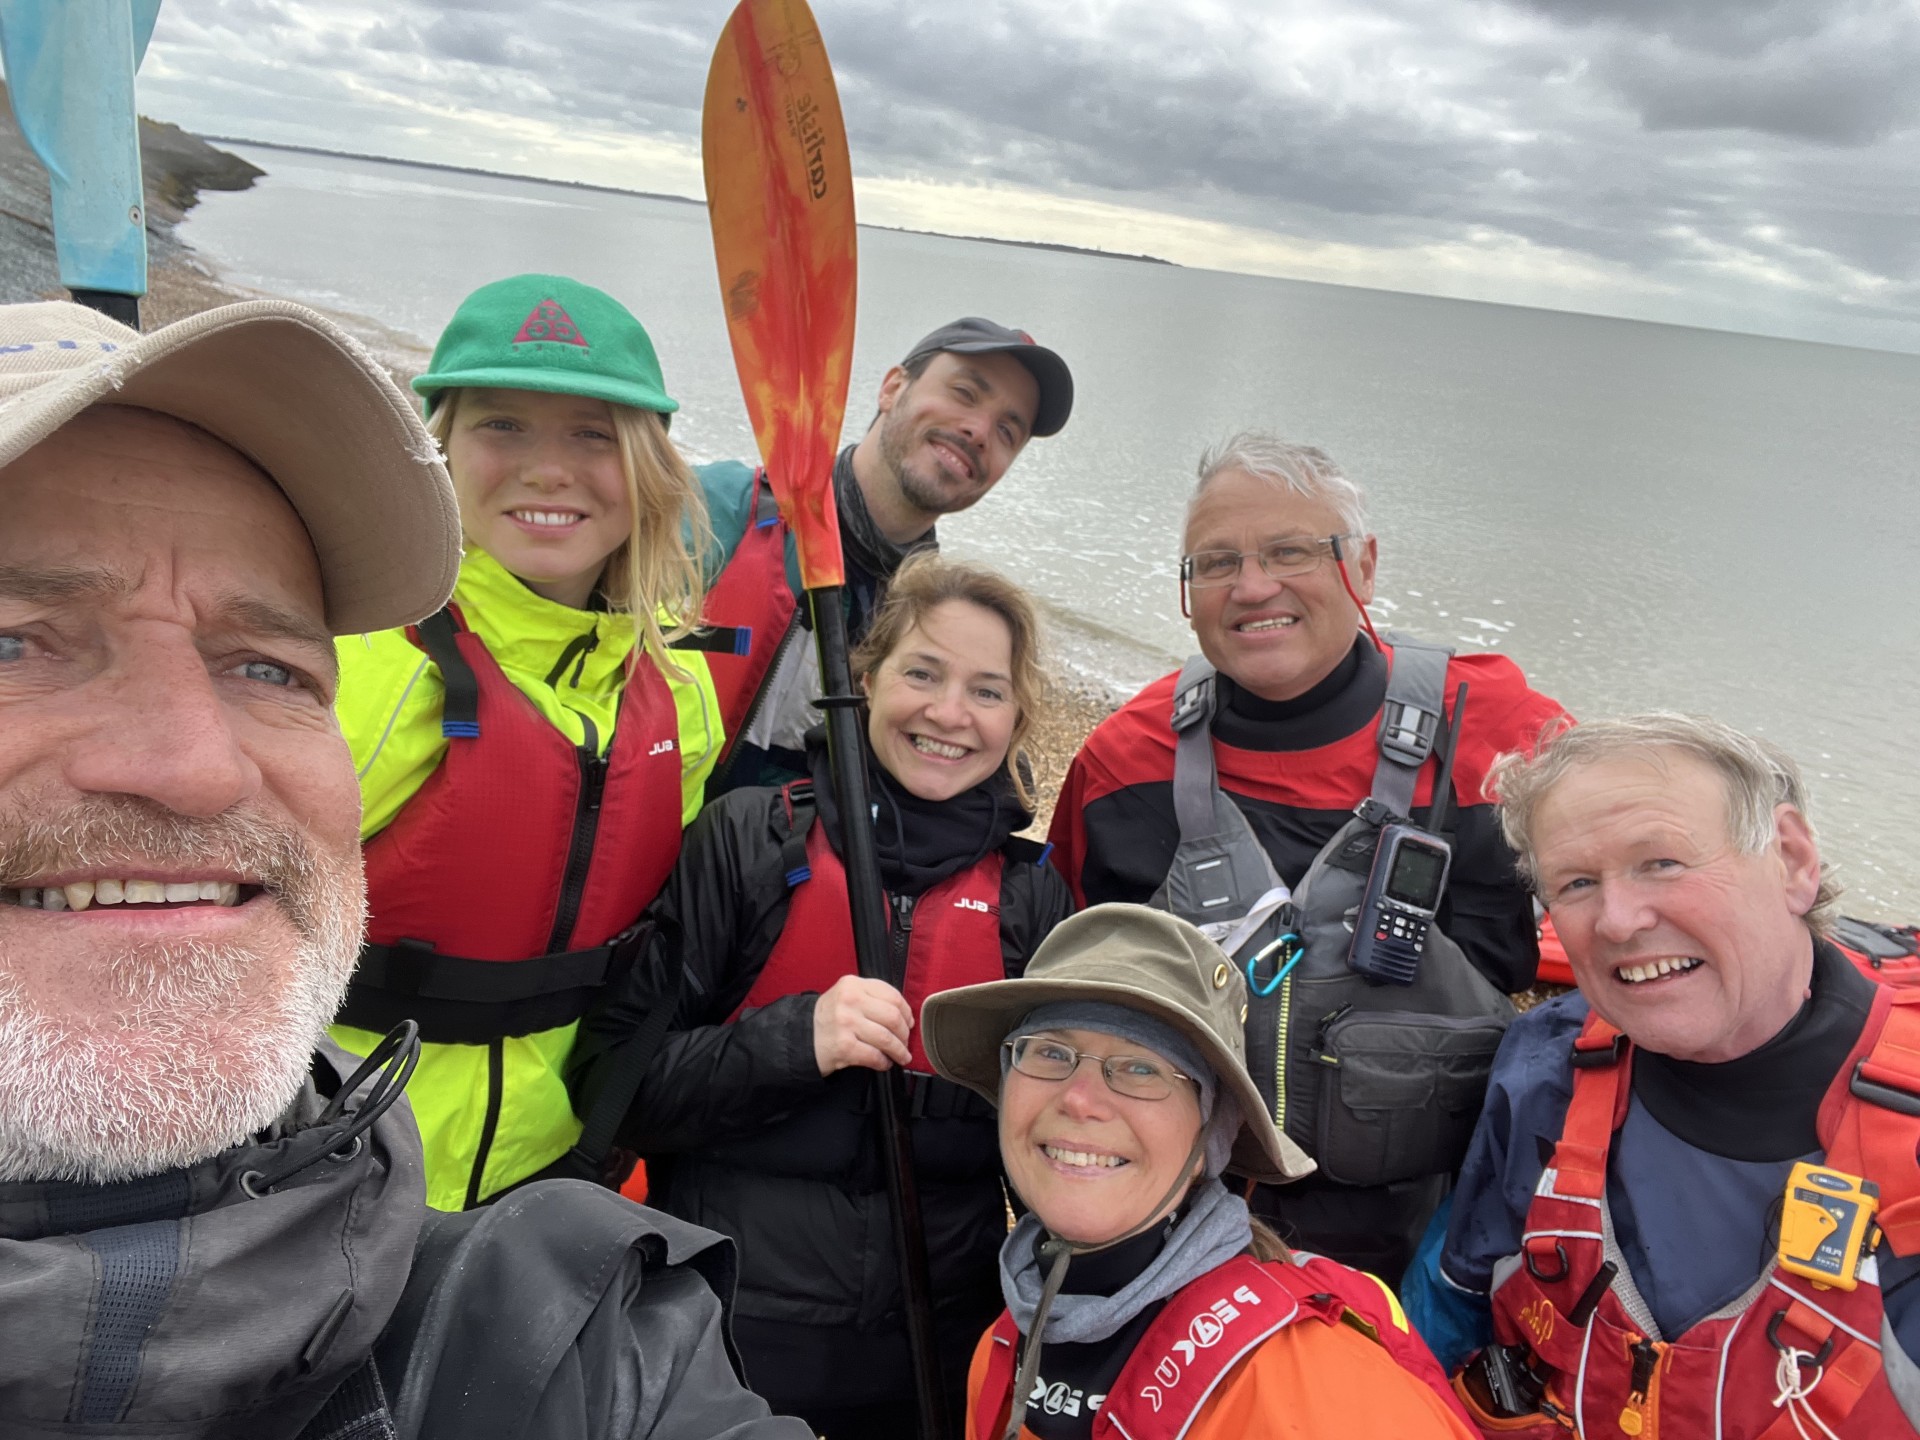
(391, 697)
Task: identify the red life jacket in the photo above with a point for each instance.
(503, 890)
(1721, 1378)
(753, 600)
(1207, 1328)
(955, 939)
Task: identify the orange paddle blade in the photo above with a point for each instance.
(780, 198)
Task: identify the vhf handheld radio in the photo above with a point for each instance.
(1408, 878)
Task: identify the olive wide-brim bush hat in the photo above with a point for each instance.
(291, 392)
(1138, 958)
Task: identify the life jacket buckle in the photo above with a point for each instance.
(1812, 1360)
(1594, 1057)
(1377, 813)
(1533, 1268)
(1876, 1089)
(1407, 731)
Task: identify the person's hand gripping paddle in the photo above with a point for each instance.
(780, 198)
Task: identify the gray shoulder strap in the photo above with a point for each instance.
(1195, 780)
(1410, 719)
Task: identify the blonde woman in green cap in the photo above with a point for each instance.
(528, 755)
(1142, 1298)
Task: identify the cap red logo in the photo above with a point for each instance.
(549, 322)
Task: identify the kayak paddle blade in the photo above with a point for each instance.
(780, 199)
(70, 73)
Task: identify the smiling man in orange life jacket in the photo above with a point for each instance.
(1621, 1215)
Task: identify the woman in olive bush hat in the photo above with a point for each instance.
(1139, 1290)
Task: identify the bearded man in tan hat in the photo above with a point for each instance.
(208, 1225)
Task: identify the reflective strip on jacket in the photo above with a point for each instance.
(506, 1097)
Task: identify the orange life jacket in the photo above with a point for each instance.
(1722, 1376)
(1203, 1331)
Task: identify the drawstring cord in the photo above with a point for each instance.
(1791, 1375)
(1061, 1253)
(388, 1066)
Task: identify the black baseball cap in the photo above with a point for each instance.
(974, 336)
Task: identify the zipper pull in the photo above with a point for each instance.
(902, 912)
(596, 781)
(1320, 1036)
(1646, 1358)
(580, 665)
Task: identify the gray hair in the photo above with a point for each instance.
(1758, 777)
(1303, 469)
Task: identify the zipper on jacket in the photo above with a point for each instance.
(586, 822)
(900, 937)
(1283, 1022)
(724, 772)
(1640, 1416)
(496, 1084)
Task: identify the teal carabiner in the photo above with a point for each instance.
(1291, 948)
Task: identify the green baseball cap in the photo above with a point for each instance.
(546, 332)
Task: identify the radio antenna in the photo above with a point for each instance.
(1443, 781)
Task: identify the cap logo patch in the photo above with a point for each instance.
(549, 323)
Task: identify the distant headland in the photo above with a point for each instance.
(660, 195)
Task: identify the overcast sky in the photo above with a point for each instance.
(1734, 163)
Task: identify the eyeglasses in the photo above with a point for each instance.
(1290, 555)
(1138, 1077)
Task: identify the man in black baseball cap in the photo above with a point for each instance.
(953, 416)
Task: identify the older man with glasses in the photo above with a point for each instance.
(1252, 792)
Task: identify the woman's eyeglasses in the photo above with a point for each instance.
(1138, 1077)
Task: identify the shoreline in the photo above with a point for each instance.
(1054, 245)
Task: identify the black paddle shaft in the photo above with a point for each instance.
(847, 751)
(112, 304)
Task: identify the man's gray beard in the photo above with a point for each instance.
(185, 1059)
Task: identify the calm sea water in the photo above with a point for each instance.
(1641, 515)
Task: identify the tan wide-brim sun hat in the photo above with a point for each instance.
(1141, 959)
(289, 390)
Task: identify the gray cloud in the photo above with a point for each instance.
(1741, 146)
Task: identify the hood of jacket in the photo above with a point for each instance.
(184, 1304)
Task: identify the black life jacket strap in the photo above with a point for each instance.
(801, 808)
(625, 1069)
(460, 714)
(463, 1001)
(716, 640)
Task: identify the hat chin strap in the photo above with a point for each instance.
(1061, 1253)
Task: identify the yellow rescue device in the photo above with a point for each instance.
(1826, 1224)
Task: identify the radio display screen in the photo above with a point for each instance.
(1415, 877)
